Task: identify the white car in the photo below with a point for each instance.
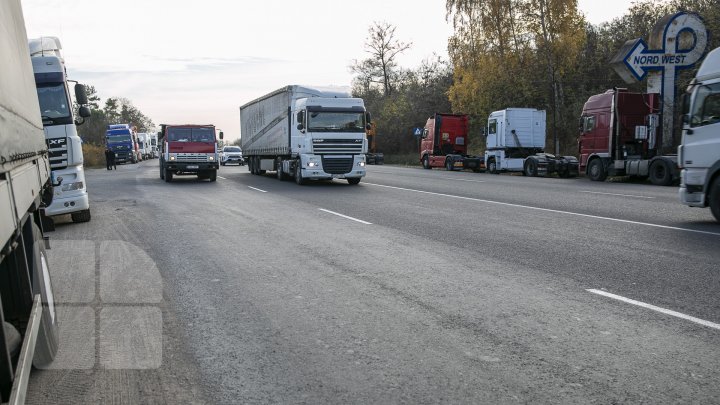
(232, 154)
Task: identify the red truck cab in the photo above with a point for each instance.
(444, 143)
(188, 149)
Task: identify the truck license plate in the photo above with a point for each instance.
(193, 167)
(458, 164)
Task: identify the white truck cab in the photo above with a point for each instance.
(699, 153)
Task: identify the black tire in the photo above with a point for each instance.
(530, 168)
(168, 175)
(426, 162)
(222, 163)
(660, 173)
(280, 175)
(449, 165)
(714, 198)
(354, 180)
(203, 175)
(596, 170)
(162, 173)
(213, 175)
(81, 216)
(47, 343)
(492, 166)
(298, 174)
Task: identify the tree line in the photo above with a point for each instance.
(115, 110)
(508, 53)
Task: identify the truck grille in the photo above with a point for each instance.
(192, 157)
(337, 146)
(58, 153)
(337, 165)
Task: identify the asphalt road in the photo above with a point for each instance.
(415, 286)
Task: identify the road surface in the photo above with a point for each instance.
(415, 286)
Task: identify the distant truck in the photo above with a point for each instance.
(60, 126)
(373, 157)
(444, 143)
(699, 153)
(619, 133)
(516, 141)
(306, 134)
(122, 140)
(188, 150)
(145, 145)
(154, 145)
(28, 320)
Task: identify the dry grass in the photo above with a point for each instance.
(407, 159)
(93, 155)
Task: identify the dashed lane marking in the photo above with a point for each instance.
(345, 216)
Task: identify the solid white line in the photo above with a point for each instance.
(257, 189)
(625, 221)
(471, 181)
(658, 309)
(619, 195)
(221, 177)
(345, 216)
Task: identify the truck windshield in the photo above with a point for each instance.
(191, 134)
(706, 106)
(326, 121)
(118, 138)
(232, 149)
(54, 104)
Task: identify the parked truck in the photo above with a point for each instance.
(515, 143)
(28, 321)
(444, 143)
(188, 150)
(144, 145)
(373, 157)
(60, 126)
(619, 133)
(121, 139)
(699, 153)
(306, 134)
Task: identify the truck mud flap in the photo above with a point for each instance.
(25, 361)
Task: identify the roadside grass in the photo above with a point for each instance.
(93, 155)
(407, 159)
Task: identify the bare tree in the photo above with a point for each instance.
(381, 66)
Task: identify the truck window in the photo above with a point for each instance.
(53, 101)
(588, 123)
(492, 127)
(325, 121)
(191, 134)
(706, 106)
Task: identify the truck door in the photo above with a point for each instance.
(701, 138)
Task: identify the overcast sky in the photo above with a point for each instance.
(184, 61)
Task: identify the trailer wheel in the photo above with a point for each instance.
(48, 336)
(660, 173)
(449, 165)
(530, 168)
(426, 162)
(714, 198)
(596, 171)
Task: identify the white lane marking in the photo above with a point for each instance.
(345, 216)
(471, 181)
(257, 189)
(625, 221)
(658, 309)
(619, 195)
(221, 177)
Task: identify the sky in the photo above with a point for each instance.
(182, 61)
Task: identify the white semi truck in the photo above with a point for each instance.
(516, 141)
(305, 134)
(28, 321)
(59, 122)
(699, 153)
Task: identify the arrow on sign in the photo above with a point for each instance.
(418, 131)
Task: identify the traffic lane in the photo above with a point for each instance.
(346, 314)
(617, 201)
(667, 267)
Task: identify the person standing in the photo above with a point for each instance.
(110, 159)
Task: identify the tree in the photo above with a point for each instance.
(381, 67)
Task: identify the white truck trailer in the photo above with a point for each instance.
(306, 134)
(59, 121)
(699, 153)
(516, 141)
(28, 322)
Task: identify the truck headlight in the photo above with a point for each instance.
(313, 164)
(172, 158)
(361, 164)
(211, 158)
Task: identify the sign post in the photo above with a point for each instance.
(679, 42)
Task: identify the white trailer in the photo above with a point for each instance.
(28, 322)
(699, 153)
(306, 134)
(516, 142)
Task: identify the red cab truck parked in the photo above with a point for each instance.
(444, 144)
(619, 134)
(188, 149)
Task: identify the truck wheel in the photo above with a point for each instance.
(46, 346)
(162, 173)
(660, 173)
(596, 171)
(354, 180)
(280, 175)
(298, 174)
(81, 216)
(213, 175)
(714, 198)
(426, 162)
(492, 167)
(449, 165)
(530, 168)
(168, 175)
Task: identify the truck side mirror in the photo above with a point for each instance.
(80, 94)
(221, 135)
(84, 112)
(367, 117)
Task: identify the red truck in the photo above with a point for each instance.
(188, 149)
(444, 144)
(620, 135)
